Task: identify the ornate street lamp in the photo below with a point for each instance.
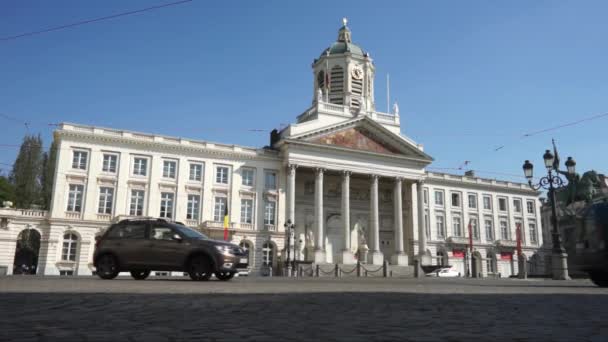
(289, 231)
(552, 182)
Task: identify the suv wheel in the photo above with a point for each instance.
(199, 268)
(107, 266)
(600, 278)
(224, 275)
(140, 274)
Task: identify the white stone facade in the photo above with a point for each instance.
(343, 174)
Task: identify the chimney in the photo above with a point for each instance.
(469, 173)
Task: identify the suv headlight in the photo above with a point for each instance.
(224, 249)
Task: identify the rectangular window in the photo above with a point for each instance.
(196, 172)
(504, 230)
(106, 199)
(487, 202)
(472, 201)
(110, 162)
(502, 204)
(533, 233)
(248, 177)
(439, 198)
(166, 204)
(140, 166)
(247, 211)
(517, 205)
(530, 207)
(194, 206)
(427, 226)
(221, 174)
(457, 225)
(79, 160)
(169, 168)
(474, 228)
(137, 203)
(219, 209)
(456, 199)
(75, 198)
(270, 180)
(269, 212)
(440, 226)
(489, 230)
(426, 196)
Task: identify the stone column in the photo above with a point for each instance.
(425, 259)
(399, 258)
(347, 256)
(291, 196)
(319, 236)
(377, 258)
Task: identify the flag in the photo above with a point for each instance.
(226, 222)
(471, 236)
(556, 160)
(518, 236)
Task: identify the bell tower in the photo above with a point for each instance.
(344, 74)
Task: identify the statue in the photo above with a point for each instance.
(396, 109)
(319, 95)
(579, 188)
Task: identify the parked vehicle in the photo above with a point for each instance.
(142, 246)
(444, 272)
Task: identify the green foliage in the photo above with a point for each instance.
(27, 171)
(7, 190)
(49, 160)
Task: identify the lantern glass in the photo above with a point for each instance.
(571, 165)
(548, 158)
(528, 169)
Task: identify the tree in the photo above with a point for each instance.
(7, 191)
(49, 160)
(26, 174)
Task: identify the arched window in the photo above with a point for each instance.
(267, 253)
(321, 80)
(246, 245)
(70, 247)
(491, 262)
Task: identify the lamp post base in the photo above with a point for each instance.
(560, 266)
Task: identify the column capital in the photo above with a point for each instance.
(399, 179)
(346, 173)
(374, 177)
(319, 171)
(292, 166)
(420, 182)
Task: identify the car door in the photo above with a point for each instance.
(165, 252)
(127, 242)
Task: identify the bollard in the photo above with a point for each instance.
(317, 270)
(358, 268)
(300, 271)
(385, 269)
(337, 271)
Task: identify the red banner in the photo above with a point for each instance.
(506, 256)
(458, 253)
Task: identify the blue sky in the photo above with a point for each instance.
(469, 76)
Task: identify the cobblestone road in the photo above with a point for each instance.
(262, 309)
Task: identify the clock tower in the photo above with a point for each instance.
(344, 74)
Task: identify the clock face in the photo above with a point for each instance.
(357, 73)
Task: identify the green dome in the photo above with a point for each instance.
(343, 47)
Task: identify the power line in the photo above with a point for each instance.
(57, 28)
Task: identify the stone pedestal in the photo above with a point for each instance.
(320, 257)
(377, 258)
(400, 259)
(347, 258)
(560, 266)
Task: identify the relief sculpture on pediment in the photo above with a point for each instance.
(358, 139)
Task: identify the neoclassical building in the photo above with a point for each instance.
(354, 186)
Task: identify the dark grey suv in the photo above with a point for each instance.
(140, 246)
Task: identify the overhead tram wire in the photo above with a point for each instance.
(57, 28)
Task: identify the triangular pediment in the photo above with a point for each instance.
(356, 138)
(365, 135)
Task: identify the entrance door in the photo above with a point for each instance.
(476, 266)
(26, 253)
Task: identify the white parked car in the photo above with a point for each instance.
(444, 272)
